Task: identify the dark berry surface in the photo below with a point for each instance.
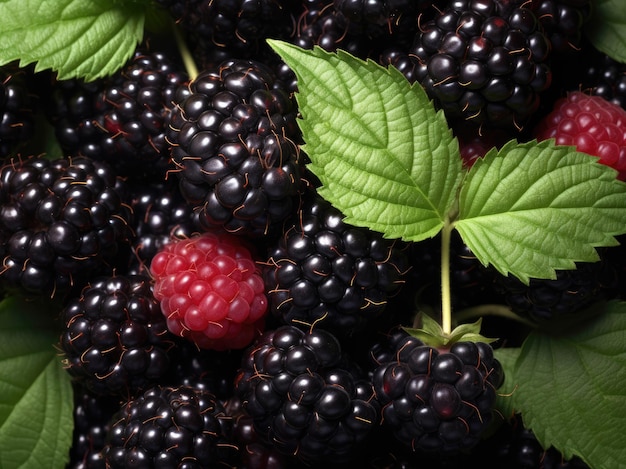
(327, 273)
(306, 397)
(169, 427)
(437, 400)
(120, 119)
(61, 220)
(235, 148)
(116, 340)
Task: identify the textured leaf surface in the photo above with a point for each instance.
(385, 158)
(571, 389)
(36, 403)
(533, 208)
(76, 38)
(606, 29)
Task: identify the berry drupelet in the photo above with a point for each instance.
(62, 220)
(235, 148)
(115, 339)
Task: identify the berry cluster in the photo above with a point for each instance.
(220, 311)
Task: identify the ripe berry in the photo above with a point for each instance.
(210, 290)
(178, 427)
(120, 119)
(326, 272)
(437, 400)
(17, 106)
(235, 149)
(483, 62)
(237, 28)
(92, 414)
(115, 340)
(306, 396)
(61, 221)
(546, 300)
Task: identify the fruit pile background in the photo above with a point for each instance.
(212, 309)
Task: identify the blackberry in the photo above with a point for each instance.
(547, 300)
(485, 62)
(235, 148)
(326, 272)
(476, 142)
(306, 396)
(17, 107)
(331, 31)
(161, 215)
(180, 427)
(62, 220)
(210, 370)
(437, 400)
(601, 75)
(92, 414)
(237, 28)
(363, 28)
(516, 447)
(115, 339)
(563, 21)
(254, 452)
(120, 119)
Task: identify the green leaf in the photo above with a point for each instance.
(36, 402)
(76, 38)
(571, 389)
(535, 207)
(606, 28)
(387, 160)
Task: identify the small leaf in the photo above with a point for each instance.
(76, 38)
(606, 28)
(571, 389)
(36, 401)
(386, 159)
(532, 208)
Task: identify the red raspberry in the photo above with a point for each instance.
(210, 291)
(590, 123)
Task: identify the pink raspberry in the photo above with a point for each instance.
(210, 291)
(590, 123)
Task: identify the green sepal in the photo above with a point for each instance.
(431, 333)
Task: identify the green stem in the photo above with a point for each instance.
(446, 300)
(492, 310)
(188, 61)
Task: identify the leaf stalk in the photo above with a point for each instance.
(446, 299)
